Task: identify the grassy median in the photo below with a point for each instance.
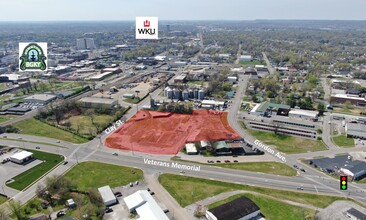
(94, 175)
(28, 177)
(38, 128)
(264, 167)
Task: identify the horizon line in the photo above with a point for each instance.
(260, 19)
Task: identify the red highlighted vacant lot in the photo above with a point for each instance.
(166, 133)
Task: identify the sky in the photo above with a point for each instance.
(101, 10)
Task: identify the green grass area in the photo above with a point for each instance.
(85, 124)
(271, 208)
(38, 128)
(343, 141)
(348, 111)
(26, 178)
(5, 118)
(94, 175)
(362, 181)
(4, 97)
(264, 167)
(3, 199)
(133, 101)
(16, 100)
(3, 86)
(252, 63)
(288, 144)
(187, 190)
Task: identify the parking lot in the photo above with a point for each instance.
(9, 169)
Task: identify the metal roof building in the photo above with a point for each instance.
(145, 206)
(21, 157)
(107, 195)
(40, 98)
(241, 208)
(356, 130)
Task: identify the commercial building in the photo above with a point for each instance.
(180, 78)
(303, 114)
(100, 76)
(142, 203)
(356, 170)
(94, 102)
(239, 209)
(107, 195)
(21, 157)
(355, 130)
(245, 58)
(268, 108)
(277, 128)
(211, 104)
(191, 148)
(85, 44)
(354, 99)
(40, 98)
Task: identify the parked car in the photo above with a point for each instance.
(303, 170)
(235, 161)
(152, 193)
(118, 194)
(295, 166)
(60, 213)
(66, 162)
(38, 147)
(218, 161)
(108, 210)
(115, 154)
(227, 161)
(300, 188)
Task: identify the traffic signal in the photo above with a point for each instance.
(343, 182)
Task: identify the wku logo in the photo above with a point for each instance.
(145, 30)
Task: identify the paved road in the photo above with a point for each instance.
(238, 55)
(271, 70)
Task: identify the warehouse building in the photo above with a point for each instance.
(239, 209)
(94, 102)
(356, 170)
(142, 203)
(303, 114)
(21, 157)
(107, 195)
(40, 98)
(356, 130)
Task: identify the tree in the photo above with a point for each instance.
(15, 208)
(321, 108)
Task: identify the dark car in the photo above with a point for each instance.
(66, 162)
(218, 161)
(152, 193)
(227, 161)
(118, 194)
(108, 210)
(303, 170)
(115, 154)
(60, 213)
(295, 166)
(38, 147)
(235, 161)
